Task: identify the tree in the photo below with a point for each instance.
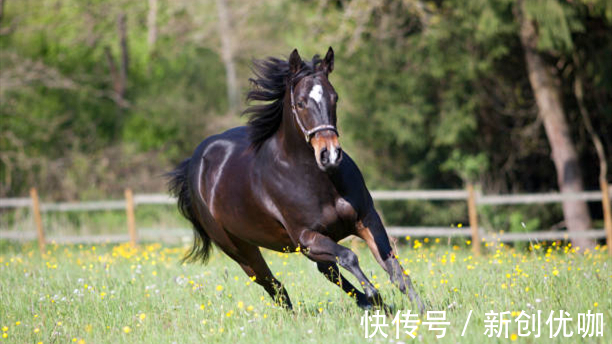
(546, 87)
(227, 53)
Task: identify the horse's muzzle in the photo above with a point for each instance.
(327, 150)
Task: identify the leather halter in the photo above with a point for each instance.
(308, 133)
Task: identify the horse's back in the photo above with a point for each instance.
(231, 138)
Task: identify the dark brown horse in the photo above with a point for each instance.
(283, 183)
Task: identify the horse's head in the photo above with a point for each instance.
(313, 106)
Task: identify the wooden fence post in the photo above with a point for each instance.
(131, 221)
(605, 203)
(473, 217)
(38, 219)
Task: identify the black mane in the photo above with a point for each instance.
(272, 76)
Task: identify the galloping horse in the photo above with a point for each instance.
(261, 186)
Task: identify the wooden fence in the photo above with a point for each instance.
(469, 195)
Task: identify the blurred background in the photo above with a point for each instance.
(515, 96)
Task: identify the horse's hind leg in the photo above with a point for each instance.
(258, 269)
(252, 262)
(332, 273)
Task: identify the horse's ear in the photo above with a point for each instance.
(295, 62)
(327, 65)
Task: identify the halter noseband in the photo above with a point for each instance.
(308, 133)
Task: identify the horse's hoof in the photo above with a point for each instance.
(363, 303)
(421, 307)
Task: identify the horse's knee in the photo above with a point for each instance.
(348, 259)
(306, 239)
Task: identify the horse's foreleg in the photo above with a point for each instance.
(321, 248)
(373, 232)
(332, 273)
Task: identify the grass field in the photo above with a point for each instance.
(115, 294)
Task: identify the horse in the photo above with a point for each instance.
(282, 182)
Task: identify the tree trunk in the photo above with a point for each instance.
(119, 75)
(123, 68)
(1, 9)
(227, 54)
(546, 88)
(152, 25)
(601, 154)
(113, 71)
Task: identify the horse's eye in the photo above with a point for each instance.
(300, 104)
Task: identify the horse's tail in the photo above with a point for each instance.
(181, 184)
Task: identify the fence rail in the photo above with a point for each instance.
(473, 199)
(82, 206)
(15, 202)
(431, 195)
(588, 196)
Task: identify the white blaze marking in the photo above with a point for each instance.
(333, 155)
(316, 93)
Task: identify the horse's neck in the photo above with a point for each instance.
(287, 151)
(277, 151)
(291, 143)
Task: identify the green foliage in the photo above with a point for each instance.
(183, 86)
(430, 95)
(422, 104)
(469, 167)
(420, 213)
(520, 218)
(556, 21)
(59, 110)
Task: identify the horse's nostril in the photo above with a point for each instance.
(324, 156)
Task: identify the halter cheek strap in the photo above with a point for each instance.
(308, 133)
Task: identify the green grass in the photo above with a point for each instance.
(113, 294)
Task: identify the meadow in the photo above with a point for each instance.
(119, 294)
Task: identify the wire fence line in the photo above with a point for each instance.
(472, 197)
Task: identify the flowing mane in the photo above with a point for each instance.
(272, 76)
